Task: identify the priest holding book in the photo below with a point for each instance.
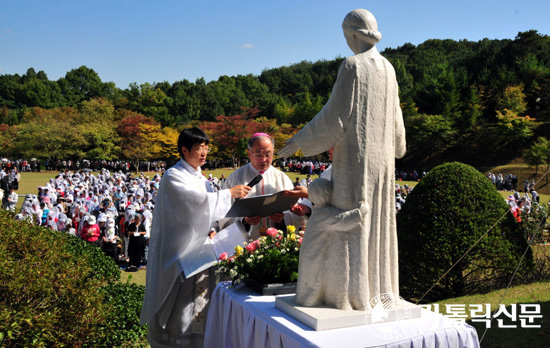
(177, 293)
(261, 148)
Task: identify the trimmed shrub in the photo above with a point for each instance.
(446, 214)
(57, 290)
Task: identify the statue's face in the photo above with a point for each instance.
(352, 42)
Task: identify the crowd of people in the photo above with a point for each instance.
(307, 167)
(507, 182)
(520, 204)
(9, 184)
(21, 165)
(112, 211)
(34, 165)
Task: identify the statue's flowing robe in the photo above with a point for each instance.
(312, 278)
(363, 121)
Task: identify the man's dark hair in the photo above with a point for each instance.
(190, 137)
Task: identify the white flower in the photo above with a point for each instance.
(232, 273)
(283, 251)
(249, 260)
(260, 257)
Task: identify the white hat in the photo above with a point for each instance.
(91, 220)
(102, 217)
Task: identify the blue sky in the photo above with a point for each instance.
(140, 41)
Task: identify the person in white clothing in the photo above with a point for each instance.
(176, 301)
(12, 200)
(260, 152)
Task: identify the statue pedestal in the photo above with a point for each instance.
(327, 318)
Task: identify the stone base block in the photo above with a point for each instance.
(327, 318)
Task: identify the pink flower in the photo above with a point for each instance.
(272, 232)
(251, 247)
(300, 240)
(223, 256)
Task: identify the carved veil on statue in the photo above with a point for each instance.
(363, 121)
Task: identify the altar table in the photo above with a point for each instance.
(240, 318)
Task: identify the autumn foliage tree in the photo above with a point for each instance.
(230, 133)
(168, 143)
(139, 136)
(7, 137)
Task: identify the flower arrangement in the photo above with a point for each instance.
(269, 259)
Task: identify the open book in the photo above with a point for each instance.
(263, 205)
(207, 254)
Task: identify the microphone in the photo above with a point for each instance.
(256, 180)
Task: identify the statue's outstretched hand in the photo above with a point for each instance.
(363, 208)
(290, 148)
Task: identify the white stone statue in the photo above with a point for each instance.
(313, 279)
(363, 121)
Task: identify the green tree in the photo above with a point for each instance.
(539, 154)
(10, 91)
(7, 138)
(513, 99)
(82, 84)
(50, 134)
(151, 100)
(37, 90)
(514, 128)
(97, 123)
(447, 213)
(430, 134)
(510, 107)
(186, 105)
(472, 111)
(283, 110)
(306, 109)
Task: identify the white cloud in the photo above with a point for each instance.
(246, 46)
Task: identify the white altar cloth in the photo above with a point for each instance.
(240, 318)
